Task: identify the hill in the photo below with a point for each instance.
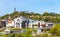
(48, 17)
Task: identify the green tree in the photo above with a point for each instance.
(55, 30)
(45, 14)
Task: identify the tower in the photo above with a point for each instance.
(14, 9)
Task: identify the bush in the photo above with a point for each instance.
(29, 31)
(35, 30)
(42, 35)
(55, 30)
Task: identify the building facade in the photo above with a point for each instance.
(20, 22)
(10, 22)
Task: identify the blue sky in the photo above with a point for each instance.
(37, 6)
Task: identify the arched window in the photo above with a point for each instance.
(18, 20)
(18, 23)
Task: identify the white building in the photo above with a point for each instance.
(20, 22)
(9, 22)
(17, 22)
(36, 24)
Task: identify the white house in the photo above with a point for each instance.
(43, 26)
(17, 22)
(36, 24)
(9, 22)
(20, 22)
(50, 25)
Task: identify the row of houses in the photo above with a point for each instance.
(22, 22)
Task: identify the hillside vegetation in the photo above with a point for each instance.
(46, 16)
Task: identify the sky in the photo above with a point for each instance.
(37, 6)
